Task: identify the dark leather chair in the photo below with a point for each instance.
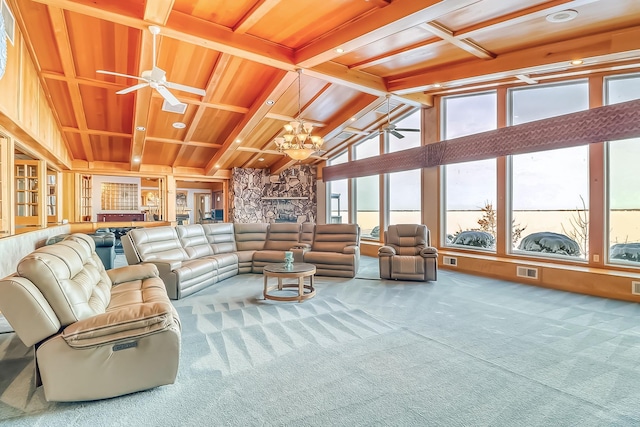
(105, 246)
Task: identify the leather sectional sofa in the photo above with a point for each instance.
(192, 257)
(96, 333)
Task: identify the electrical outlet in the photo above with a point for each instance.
(596, 258)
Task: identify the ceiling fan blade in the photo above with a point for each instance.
(132, 88)
(185, 88)
(171, 99)
(407, 130)
(396, 134)
(111, 73)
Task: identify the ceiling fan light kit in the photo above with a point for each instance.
(156, 79)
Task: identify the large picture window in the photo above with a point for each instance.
(470, 188)
(404, 187)
(338, 194)
(550, 189)
(623, 181)
(368, 193)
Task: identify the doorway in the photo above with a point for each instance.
(202, 202)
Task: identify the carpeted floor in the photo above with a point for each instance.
(462, 351)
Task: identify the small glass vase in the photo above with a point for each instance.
(288, 260)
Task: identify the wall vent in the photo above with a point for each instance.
(528, 272)
(180, 108)
(9, 21)
(382, 108)
(635, 288)
(345, 135)
(450, 260)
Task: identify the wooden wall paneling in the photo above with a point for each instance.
(69, 197)
(29, 94)
(598, 247)
(10, 82)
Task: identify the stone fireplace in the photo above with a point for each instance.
(257, 196)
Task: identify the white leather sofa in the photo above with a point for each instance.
(97, 333)
(191, 257)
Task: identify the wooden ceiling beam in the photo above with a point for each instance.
(467, 45)
(257, 12)
(142, 103)
(222, 64)
(384, 22)
(96, 132)
(612, 45)
(157, 11)
(61, 34)
(258, 110)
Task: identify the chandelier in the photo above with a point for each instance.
(297, 142)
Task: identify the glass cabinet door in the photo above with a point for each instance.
(27, 188)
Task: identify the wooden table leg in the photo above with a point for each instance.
(300, 288)
(264, 293)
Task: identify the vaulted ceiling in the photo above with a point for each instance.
(245, 53)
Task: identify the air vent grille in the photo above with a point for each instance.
(450, 260)
(635, 288)
(9, 21)
(179, 109)
(527, 272)
(382, 109)
(345, 135)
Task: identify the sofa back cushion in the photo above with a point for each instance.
(69, 278)
(407, 239)
(158, 243)
(306, 232)
(193, 240)
(335, 237)
(251, 237)
(282, 236)
(220, 237)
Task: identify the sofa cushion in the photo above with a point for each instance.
(194, 241)
(268, 256)
(67, 275)
(158, 243)
(220, 236)
(250, 237)
(282, 237)
(329, 258)
(335, 237)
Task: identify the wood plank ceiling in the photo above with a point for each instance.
(245, 53)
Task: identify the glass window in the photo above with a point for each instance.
(550, 189)
(338, 194)
(470, 188)
(623, 181)
(405, 187)
(368, 193)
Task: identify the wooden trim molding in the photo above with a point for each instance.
(609, 122)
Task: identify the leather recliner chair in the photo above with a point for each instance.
(407, 255)
(97, 333)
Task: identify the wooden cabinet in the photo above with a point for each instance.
(27, 187)
(85, 198)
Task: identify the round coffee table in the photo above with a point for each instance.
(298, 271)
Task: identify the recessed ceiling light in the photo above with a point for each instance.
(353, 119)
(238, 141)
(562, 16)
(270, 102)
(217, 165)
(340, 50)
(179, 125)
(136, 159)
(437, 85)
(141, 128)
(261, 159)
(577, 62)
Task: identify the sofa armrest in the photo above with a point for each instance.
(386, 251)
(132, 272)
(429, 251)
(129, 322)
(165, 267)
(353, 249)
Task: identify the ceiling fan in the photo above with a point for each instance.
(390, 127)
(156, 78)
